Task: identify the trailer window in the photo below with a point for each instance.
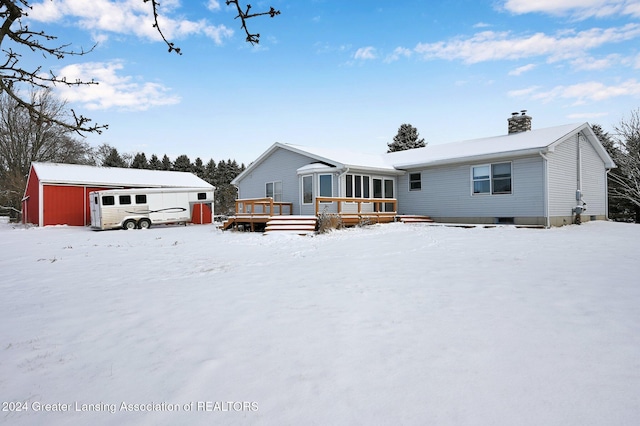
(125, 199)
(141, 199)
(202, 195)
(108, 200)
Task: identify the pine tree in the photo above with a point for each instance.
(407, 138)
(198, 168)
(182, 164)
(140, 161)
(113, 159)
(166, 163)
(210, 172)
(155, 163)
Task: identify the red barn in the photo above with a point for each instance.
(58, 194)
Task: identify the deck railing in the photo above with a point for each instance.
(262, 207)
(380, 206)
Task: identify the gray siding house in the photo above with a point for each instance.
(525, 177)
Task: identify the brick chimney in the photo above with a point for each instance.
(519, 122)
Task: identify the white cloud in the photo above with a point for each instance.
(126, 17)
(588, 63)
(523, 92)
(490, 45)
(397, 53)
(580, 9)
(582, 93)
(365, 53)
(112, 90)
(213, 5)
(522, 69)
(587, 115)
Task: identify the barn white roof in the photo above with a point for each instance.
(56, 173)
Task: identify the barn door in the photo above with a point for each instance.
(201, 213)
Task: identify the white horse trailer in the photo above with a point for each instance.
(142, 207)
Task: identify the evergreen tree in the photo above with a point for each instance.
(182, 164)
(155, 163)
(140, 161)
(198, 168)
(407, 138)
(113, 159)
(210, 172)
(166, 163)
(226, 193)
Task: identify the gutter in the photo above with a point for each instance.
(471, 159)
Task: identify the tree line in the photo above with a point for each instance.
(218, 174)
(25, 139)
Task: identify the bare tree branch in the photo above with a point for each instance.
(251, 38)
(16, 37)
(12, 75)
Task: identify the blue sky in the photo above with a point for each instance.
(342, 73)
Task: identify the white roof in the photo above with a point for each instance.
(115, 176)
(522, 143)
(516, 144)
(344, 158)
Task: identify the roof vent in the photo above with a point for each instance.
(519, 122)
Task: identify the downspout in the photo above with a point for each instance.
(346, 170)
(545, 179)
(606, 193)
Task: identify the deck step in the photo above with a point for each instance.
(302, 225)
(414, 219)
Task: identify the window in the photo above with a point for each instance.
(481, 180)
(274, 190)
(108, 200)
(415, 182)
(326, 185)
(357, 186)
(202, 195)
(501, 181)
(492, 178)
(124, 199)
(307, 189)
(141, 199)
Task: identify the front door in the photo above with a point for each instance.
(383, 188)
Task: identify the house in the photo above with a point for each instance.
(544, 177)
(58, 194)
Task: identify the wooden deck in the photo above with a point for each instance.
(266, 215)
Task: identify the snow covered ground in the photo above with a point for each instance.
(386, 325)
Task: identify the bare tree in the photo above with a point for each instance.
(25, 139)
(16, 37)
(626, 154)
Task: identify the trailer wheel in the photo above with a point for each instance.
(129, 224)
(144, 224)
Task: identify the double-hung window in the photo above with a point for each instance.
(491, 178)
(274, 190)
